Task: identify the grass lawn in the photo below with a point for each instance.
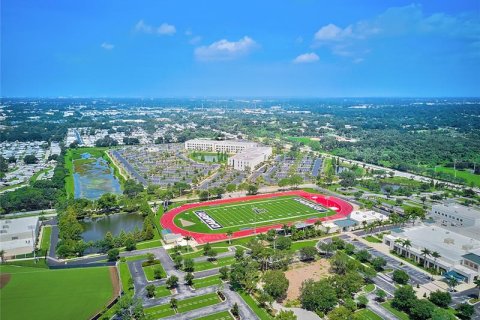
(199, 253)
(369, 288)
(224, 315)
(206, 265)
(366, 314)
(46, 233)
(135, 258)
(34, 293)
(399, 314)
(198, 302)
(302, 244)
(261, 313)
(372, 239)
(149, 244)
(162, 291)
(160, 311)
(149, 274)
(206, 282)
(125, 276)
(467, 175)
(241, 215)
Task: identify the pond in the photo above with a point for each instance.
(96, 228)
(94, 177)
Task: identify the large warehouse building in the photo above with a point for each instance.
(455, 215)
(17, 236)
(250, 158)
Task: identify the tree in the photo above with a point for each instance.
(452, 283)
(158, 272)
(131, 188)
(403, 298)
(435, 256)
(2, 256)
(296, 180)
(276, 284)
(177, 261)
(440, 298)
(187, 238)
(150, 290)
(129, 308)
(113, 254)
(224, 272)
(150, 258)
(188, 265)
(421, 310)
(362, 301)
(252, 189)
(425, 253)
(107, 201)
(235, 310)
(339, 263)
(442, 314)
(363, 255)
(465, 311)
(348, 179)
(212, 254)
(206, 248)
(476, 282)
(172, 282)
(189, 278)
(239, 252)
(130, 243)
(173, 303)
(283, 243)
(340, 313)
(285, 315)
(30, 159)
(318, 296)
(378, 263)
(381, 295)
(308, 253)
(229, 235)
(400, 277)
(264, 299)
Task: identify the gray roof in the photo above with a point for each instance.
(345, 223)
(472, 257)
(458, 209)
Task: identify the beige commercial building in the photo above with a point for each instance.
(250, 158)
(228, 146)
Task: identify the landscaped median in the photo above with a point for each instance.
(206, 282)
(218, 263)
(224, 315)
(165, 310)
(153, 269)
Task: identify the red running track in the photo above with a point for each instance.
(342, 207)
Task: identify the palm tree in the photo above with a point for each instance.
(452, 283)
(425, 253)
(400, 241)
(229, 235)
(187, 238)
(477, 284)
(173, 303)
(435, 256)
(2, 256)
(365, 226)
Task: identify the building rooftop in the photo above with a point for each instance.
(345, 223)
(251, 153)
(458, 209)
(19, 225)
(230, 142)
(449, 244)
(472, 257)
(367, 215)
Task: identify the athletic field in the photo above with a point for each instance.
(248, 214)
(37, 293)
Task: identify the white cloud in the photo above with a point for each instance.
(410, 20)
(107, 46)
(225, 50)
(163, 29)
(306, 58)
(195, 40)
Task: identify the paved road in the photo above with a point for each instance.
(374, 306)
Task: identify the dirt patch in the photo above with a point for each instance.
(186, 223)
(115, 281)
(4, 279)
(300, 272)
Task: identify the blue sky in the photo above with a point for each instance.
(301, 48)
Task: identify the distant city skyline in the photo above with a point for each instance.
(301, 48)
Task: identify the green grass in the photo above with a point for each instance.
(54, 294)
(164, 310)
(206, 282)
(206, 265)
(261, 313)
(199, 253)
(125, 276)
(46, 233)
(198, 302)
(149, 274)
(42, 264)
(160, 311)
(302, 244)
(149, 244)
(314, 144)
(399, 314)
(369, 288)
(366, 314)
(224, 315)
(466, 175)
(162, 291)
(135, 258)
(372, 239)
(240, 215)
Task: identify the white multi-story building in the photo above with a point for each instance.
(228, 146)
(455, 215)
(250, 158)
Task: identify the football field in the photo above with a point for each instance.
(247, 214)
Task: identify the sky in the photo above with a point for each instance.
(288, 48)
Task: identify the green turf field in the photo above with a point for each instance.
(224, 315)
(34, 293)
(247, 214)
(366, 314)
(464, 174)
(206, 282)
